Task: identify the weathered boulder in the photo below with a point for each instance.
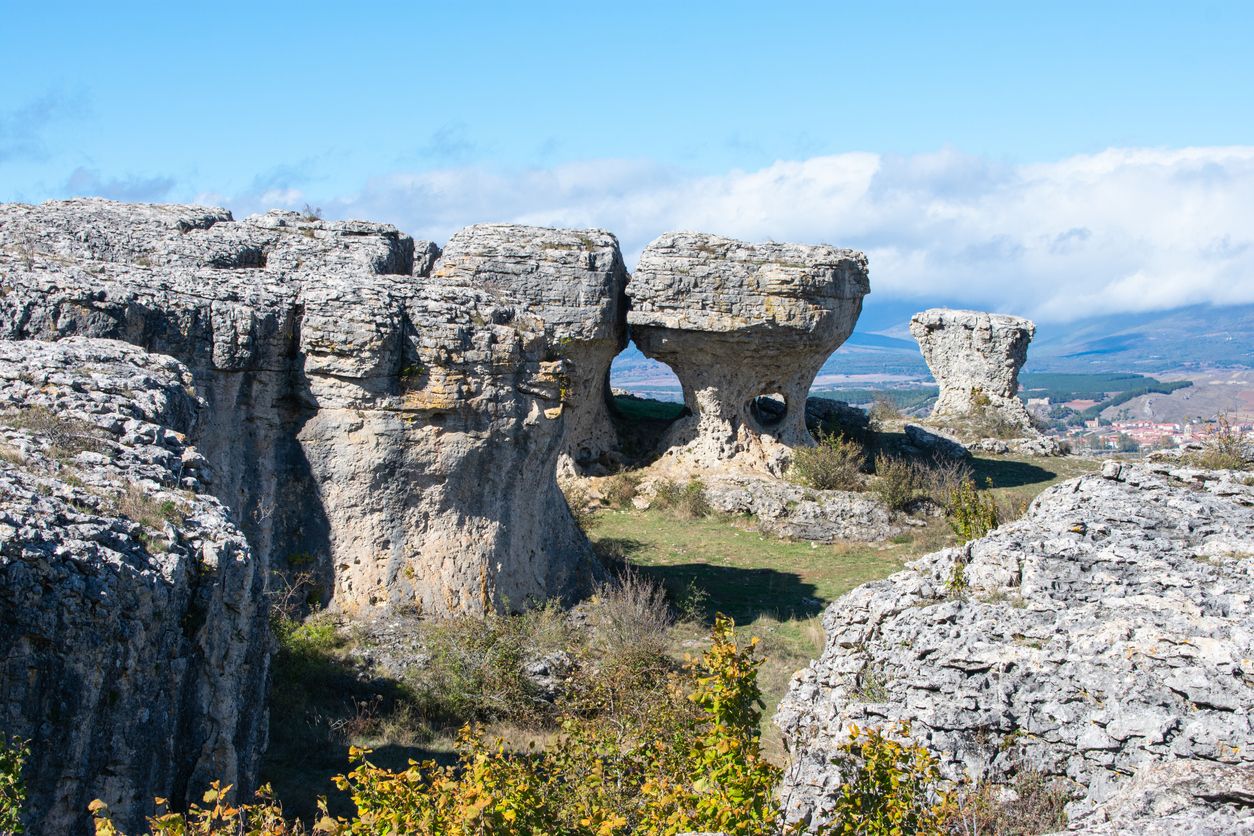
(1106, 630)
(935, 443)
(391, 426)
(738, 321)
(975, 358)
(134, 642)
(794, 512)
(825, 415)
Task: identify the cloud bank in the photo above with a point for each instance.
(1121, 230)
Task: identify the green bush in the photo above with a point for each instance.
(897, 481)
(971, 515)
(13, 755)
(834, 464)
(620, 489)
(892, 787)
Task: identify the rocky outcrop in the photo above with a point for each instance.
(1105, 631)
(738, 321)
(134, 643)
(389, 423)
(975, 358)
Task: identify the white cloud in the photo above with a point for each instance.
(1121, 230)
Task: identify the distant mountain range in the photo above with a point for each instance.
(1196, 337)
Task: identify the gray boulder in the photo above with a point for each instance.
(1107, 630)
(793, 512)
(133, 633)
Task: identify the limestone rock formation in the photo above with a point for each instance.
(134, 644)
(1105, 631)
(387, 422)
(737, 321)
(574, 283)
(975, 358)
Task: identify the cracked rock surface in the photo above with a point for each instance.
(134, 641)
(1107, 630)
(736, 321)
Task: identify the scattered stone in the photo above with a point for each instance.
(738, 322)
(133, 625)
(936, 443)
(1105, 631)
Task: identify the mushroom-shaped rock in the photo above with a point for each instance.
(573, 282)
(737, 322)
(975, 358)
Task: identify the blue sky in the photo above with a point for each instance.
(978, 151)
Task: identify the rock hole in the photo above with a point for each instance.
(768, 409)
(644, 398)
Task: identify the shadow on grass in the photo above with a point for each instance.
(1008, 474)
(317, 702)
(701, 590)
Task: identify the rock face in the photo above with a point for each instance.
(1107, 630)
(975, 358)
(736, 321)
(386, 422)
(134, 644)
(1176, 798)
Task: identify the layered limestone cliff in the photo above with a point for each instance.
(738, 322)
(134, 642)
(389, 423)
(1106, 631)
(975, 358)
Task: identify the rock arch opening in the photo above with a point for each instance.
(645, 397)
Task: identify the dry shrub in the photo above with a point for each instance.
(582, 506)
(1038, 805)
(632, 616)
(942, 479)
(66, 436)
(686, 501)
(1224, 450)
(621, 488)
(884, 413)
(834, 464)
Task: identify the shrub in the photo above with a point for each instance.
(891, 788)
(941, 480)
(971, 515)
(632, 618)
(689, 760)
(1224, 450)
(477, 666)
(13, 755)
(66, 436)
(1037, 806)
(834, 464)
(897, 481)
(581, 505)
(884, 413)
(620, 489)
(687, 501)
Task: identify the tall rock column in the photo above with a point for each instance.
(736, 322)
(975, 358)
